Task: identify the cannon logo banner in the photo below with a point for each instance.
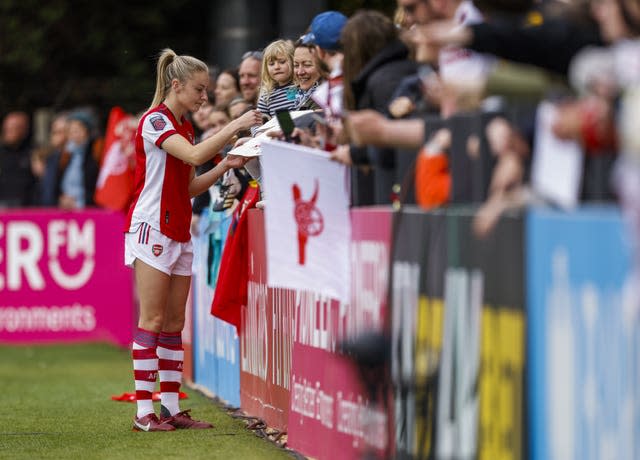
(307, 219)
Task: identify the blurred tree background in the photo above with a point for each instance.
(60, 54)
(66, 53)
(349, 7)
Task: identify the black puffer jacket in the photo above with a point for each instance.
(373, 89)
(16, 179)
(375, 84)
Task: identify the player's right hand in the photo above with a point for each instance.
(249, 119)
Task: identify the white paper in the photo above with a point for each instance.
(251, 148)
(556, 173)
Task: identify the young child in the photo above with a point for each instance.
(277, 90)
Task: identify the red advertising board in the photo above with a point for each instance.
(266, 337)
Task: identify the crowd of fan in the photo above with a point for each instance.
(375, 83)
(61, 172)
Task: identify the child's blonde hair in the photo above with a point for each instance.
(274, 50)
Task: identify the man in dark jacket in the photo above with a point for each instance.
(16, 178)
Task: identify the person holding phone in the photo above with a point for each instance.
(157, 238)
(286, 124)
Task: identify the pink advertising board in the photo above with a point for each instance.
(62, 277)
(330, 415)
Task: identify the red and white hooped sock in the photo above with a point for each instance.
(145, 369)
(170, 361)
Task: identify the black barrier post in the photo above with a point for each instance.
(460, 162)
(405, 161)
(471, 161)
(596, 178)
(483, 167)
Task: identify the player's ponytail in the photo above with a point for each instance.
(163, 84)
(171, 66)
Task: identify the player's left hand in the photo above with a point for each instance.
(236, 161)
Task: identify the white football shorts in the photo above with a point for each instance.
(157, 250)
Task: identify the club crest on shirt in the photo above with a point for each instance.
(158, 123)
(156, 249)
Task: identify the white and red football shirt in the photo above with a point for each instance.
(161, 183)
(461, 64)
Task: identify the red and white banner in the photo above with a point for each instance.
(308, 227)
(114, 188)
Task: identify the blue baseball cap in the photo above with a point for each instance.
(325, 30)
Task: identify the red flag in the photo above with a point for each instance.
(233, 275)
(114, 188)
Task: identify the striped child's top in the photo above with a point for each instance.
(281, 98)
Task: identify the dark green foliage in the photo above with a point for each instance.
(62, 54)
(349, 7)
(65, 53)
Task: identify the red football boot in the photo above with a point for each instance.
(182, 420)
(150, 422)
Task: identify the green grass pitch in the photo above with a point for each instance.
(55, 403)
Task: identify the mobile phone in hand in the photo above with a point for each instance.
(286, 123)
(319, 119)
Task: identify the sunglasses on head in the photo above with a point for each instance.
(253, 54)
(307, 39)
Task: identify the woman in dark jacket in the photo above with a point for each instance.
(79, 164)
(375, 62)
